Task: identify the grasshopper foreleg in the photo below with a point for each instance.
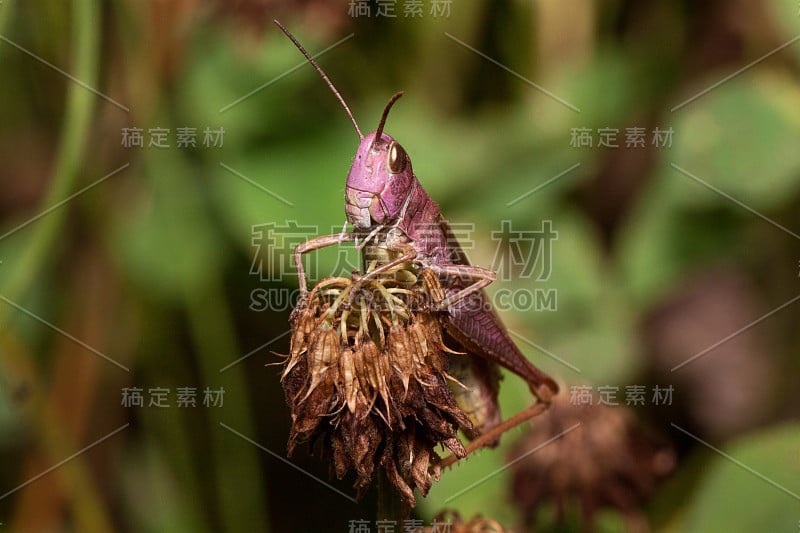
(310, 245)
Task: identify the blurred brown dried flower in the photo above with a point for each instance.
(596, 455)
(366, 375)
(476, 524)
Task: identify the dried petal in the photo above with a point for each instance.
(347, 370)
(322, 355)
(400, 354)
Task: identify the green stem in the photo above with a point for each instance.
(72, 144)
(241, 498)
(5, 14)
(74, 132)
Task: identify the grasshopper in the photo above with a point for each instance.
(397, 224)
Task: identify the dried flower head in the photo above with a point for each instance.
(366, 375)
(595, 455)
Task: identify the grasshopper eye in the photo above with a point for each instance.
(396, 158)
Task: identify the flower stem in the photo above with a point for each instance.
(390, 505)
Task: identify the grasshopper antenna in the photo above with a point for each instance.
(321, 73)
(385, 114)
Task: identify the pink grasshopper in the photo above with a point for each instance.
(386, 204)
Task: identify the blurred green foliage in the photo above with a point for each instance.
(152, 267)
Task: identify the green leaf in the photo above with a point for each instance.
(166, 241)
(756, 489)
(786, 13)
(740, 138)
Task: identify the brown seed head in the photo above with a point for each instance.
(366, 377)
(597, 454)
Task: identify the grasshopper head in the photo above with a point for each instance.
(380, 180)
